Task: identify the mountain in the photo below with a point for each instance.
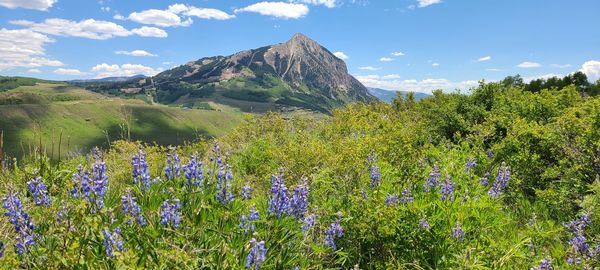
(389, 95)
(298, 73)
(110, 79)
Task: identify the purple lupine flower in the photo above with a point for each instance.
(246, 192)
(39, 191)
(501, 182)
(335, 231)
(279, 202)
(374, 175)
(579, 240)
(99, 184)
(471, 163)
(112, 240)
(391, 199)
(458, 233)
(485, 179)
(224, 194)
(173, 167)
(433, 180)
(141, 172)
(169, 213)
(299, 201)
(309, 222)
(131, 209)
(81, 183)
(364, 196)
(63, 214)
(424, 224)
(447, 189)
(193, 172)
(489, 153)
(247, 222)
(545, 264)
(256, 255)
(20, 220)
(407, 197)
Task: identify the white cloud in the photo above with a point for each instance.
(159, 17)
(494, 69)
(68, 72)
(28, 4)
(277, 9)
(34, 70)
(560, 65)
(126, 70)
(24, 48)
(390, 76)
(368, 68)
(435, 65)
(529, 65)
(119, 17)
(423, 86)
(146, 31)
(386, 59)
(397, 53)
(425, 3)
(591, 69)
(485, 58)
(105, 9)
(327, 3)
(135, 53)
(88, 28)
(202, 13)
(341, 55)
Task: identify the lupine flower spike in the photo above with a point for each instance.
(131, 209)
(279, 202)
(309, 222)
(501, 182)
(256, 255)
(112, 240)
(247, 192)
(20, 220)
(247, 221)
(173, 168)
(299, 202)
(39, 191)
(335, 231)
(193, 172)
(433, 180)
(141, 172)
(170, 213)
(457, 232)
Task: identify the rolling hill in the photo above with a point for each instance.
(388, 95)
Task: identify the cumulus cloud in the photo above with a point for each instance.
(68, 72)
(397, 53)
(24, 48)
(28, 4)
(135, 53)
(484, 58)
(202, 13)
(435, 65)
(591, 69)
(423, 86)
(88, 28)
(277, 9)
(368, 68)
(560, 65)
(341, 55)
(529, 65)
(126, 70)
(159, 17)
(146, 31)
(34, 70)
(327, 3)
(426, 3)
(386, 59)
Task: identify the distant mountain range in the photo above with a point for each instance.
(298, 73)
(110, 79)
(389, 95)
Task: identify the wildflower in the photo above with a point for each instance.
(173, 167)
(81, 183)
(246, 192)
(363, 193)
(447, 189)
(424, 224)
(141, 173)
(132, 209)
(224, 194)
(39, 191)
(299, 201)
(407, 197)
(471, 163)
(62, 214)
(246, 222)
(99, 184)
(193, 172)
(489, 153)
(390, 199)
(433, 179)
(485, 179)
(309, 222)
(112, 240)
(501, 182)
(545, 264)
(458, 233)
(374, 175)
(335, 230)
(279, 202)
(256, 255)
(579, 241)
(21, 221)
(532, 220)
(170, 213)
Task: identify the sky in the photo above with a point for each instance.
(411, 45)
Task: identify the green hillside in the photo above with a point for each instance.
(85, 119)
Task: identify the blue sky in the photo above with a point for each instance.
(416, 45)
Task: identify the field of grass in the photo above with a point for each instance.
(45, 111)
